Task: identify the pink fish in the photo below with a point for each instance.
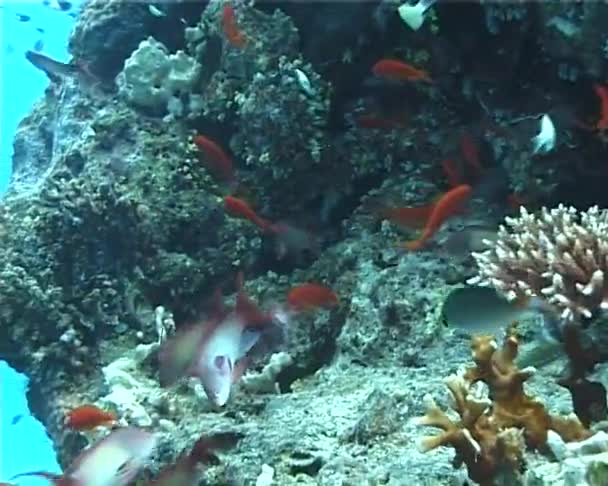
(114, 461)
(217, 351)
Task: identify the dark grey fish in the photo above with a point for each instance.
(55, 70)
(15, 420)
(64, 6)
(481, 310)
(468, 239)
(39, 45)
(23, 17)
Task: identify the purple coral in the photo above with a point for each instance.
(560, 255)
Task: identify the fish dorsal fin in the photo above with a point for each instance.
(218, 309)
(246, 309)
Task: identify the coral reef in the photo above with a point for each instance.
(491, 434)
(113, 234)
(153, 78)
(560, 255)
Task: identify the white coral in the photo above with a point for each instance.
(560, 255)
(153, 78)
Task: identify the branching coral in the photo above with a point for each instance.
(491, 434)
(560, 254)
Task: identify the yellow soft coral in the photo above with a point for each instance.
(490, 436)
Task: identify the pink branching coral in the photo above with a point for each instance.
(560, 255)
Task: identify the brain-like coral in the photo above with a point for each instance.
(560, 254)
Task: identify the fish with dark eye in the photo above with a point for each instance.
(240, 209)
(217, 350)
(55, 70)
(113, 461)
(482, 310)
(87, 417)
(473, 238)
(452, 202)
(311, 296)
(394, 70)
(215, 158)
(23, 17)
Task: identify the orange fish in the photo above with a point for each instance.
(215, 157)
(231, 29)
(450, 203)
(394, 70)
(240, 209)
(87, 417)
(414, 217)
(311, 296)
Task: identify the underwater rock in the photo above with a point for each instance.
(106, 32)
(154, 79)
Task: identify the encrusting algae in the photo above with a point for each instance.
(492, 434)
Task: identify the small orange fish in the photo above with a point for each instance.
(215, 157)
(450, 203)
(231, 29)
(394, 70)
(87, 417)
(409, 218)
(240, 209)
(311, 296)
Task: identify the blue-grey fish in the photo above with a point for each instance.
(53, 69)
(482, 310)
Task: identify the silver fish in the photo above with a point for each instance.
(481, 310)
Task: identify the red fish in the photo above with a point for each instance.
(450, 203)
(311, 296)
(215, 157)
(231, 29)
(114, 461)
(409, 218)
(394, 70)
(240, 209)
(183, 472)
(87, 417)
(602, 92)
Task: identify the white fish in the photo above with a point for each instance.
(414, 14)
(544, 142)
(216, 351)
(114, 461)
(156, 11)
(304, 82)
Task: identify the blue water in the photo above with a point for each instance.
(20, 83)
(24, 443)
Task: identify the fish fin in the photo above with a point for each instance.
(178, 353)
(54, 478)
(248, 310)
